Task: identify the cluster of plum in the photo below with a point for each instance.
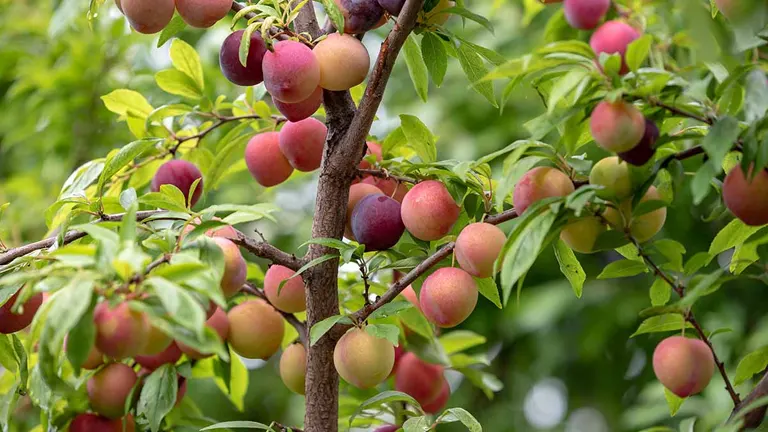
(151, 16)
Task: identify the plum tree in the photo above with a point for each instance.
(148, 16)
(613, 175)
(429, 211)
(741, 192)
(436, 16)
(235, 268)
(683, 365)
(157, 341)
(293, 367)
(120, 331)
(344, 62)
(302, 143)
(289, 298)
(291, 71)
(229, 59)
(477, 248)
(393, 7)
(170, 355)
(265, 161)
(202, 13)
(357, 192)
(181, 174)
(256, 329)
(614, 37)
(448, 296)
(582, 234)
(617, 126)
(362, 359)
(422, 380)
(219, 323)
(585, 14)
(360, 15)
(87, 422)
(640, 154)
(539, 183)
(109, 389)
(11, 322)
(300, 110)
(642, 227)
(438, 403)
(376, 222)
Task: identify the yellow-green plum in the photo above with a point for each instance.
(120, 331)
(448, 296)
(148, 16)
(291, 71)
(376, 222)
(582, 234)
(219, 323)
(746, 196)
(293, 367)
(181, 174)
(88, 422)
(429, 211)
(617, 126)
(614, 37)
(289, 298)
(585, 14)
(156, 342)
(344, 62)
(683, 365)
(229, 59)
(642, 227)
(613, 175)
(357, 192)
(170, 355)
(267, 164)
(477, 248)
(422, 380)
(538, 184)
(109, 388)
(300, 110)
(362, 359)
(235, 268)
(202, 13)
(256, 329)
(360, 15)
(11, 322)
(302, 143)
(437, 405)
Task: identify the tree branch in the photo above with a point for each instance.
(653, 101)
(382, 173)
(753, 418)
(265, 250)
(299, 325)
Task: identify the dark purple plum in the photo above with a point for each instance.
(360, 15)
(181, 174)
(229, 59)
(392, 6)
(376, 222)
(300, 110)
(640, 154)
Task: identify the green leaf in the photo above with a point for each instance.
(674, 402)
(7, 358)
(622, 268)
(565, 86)
(417, 69)
(460, 340)
(328, 242)
(466, 13)
(238, 425)
(390, 309)
(173, 28)
(435, 57)
(660, 292)
(179, 303)
(158, 395)
(178, 83)
(570, 267)
(701, 286)
(389, 332)
(662, 323)
(752, 363)
(238, 383)
(382, 398)
(487, 287)
(162, 201)
(186, 60)
(638, 51)
(314, 262)
(460, 414)
(417, 424)
(68, 306)
(735, 233)
(123, 157)
(233, 148)
(721, 137)
(123, 101)
(475, 70)
(321, 328)
(415, 320)
(81, 340)
(420, 139)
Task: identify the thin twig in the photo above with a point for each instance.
(299, 325)
(265, 250)
(382, 173)
(681, 113)
(364, 275)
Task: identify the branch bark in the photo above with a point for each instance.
(265, 250)
(753, 418)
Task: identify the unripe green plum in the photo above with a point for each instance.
(291, 296)
(87, 422)
(291, 71)
(357, 192)
(640, 154)
(746, 196)
(219, 323)
(376, 222)
(229, 59)
(235, 268)
(614, 37)
(300, 110)
(585, 14)
(613, 175)
(436, 16)
(202, 13)
(477, 248)
(148, 16)
(293, 367)
(684, 366)
(171, 355)
(109, 389)
(120, 331)
(156, 342)
(429, 211)
(448, 296)
(617, 126)
(302, 143)
(344, 62)
(181, 174)
(437, 405)
(362, 359)
(582, 234)
(538, 184)
(256, 329)
(389, 187)
(642, 227)
(422, 380)
(360, 15)
(11, 322)
(265, 161)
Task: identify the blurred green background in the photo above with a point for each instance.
(566, 364)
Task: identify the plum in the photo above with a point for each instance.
(376, 222)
